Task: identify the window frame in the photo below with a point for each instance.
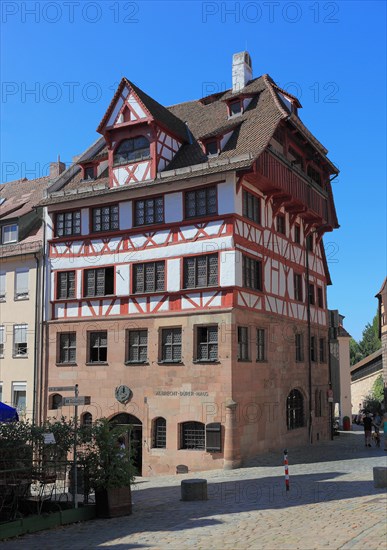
(251, 201)
(297, 233)
(243, 345)
(299, 347)
(144, 265)
(139, 158)
(207, 343)
(86, 273)
(74, 223)
(99, 347)
(208, 189)
(61, 349)
(112, 214)
(252, 270)
(4, 227)
(298, 287)
(198, 436)
(20, 295)
(162, 345)
(313, 349)
(320, 297)
(297, 418)
(311, 294)
(281, 224)
(3, 286)
(22, 326)
(138, 346)
(261, 345)
(145, 201)
(159, 440)
(2, 341)
(208, 275)
(322, 350)
(59, 275)
(208, 144)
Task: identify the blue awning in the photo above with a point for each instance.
(7, 413)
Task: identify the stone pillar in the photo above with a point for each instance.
(232, 457)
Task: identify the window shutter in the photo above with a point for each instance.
(214, 437)
(2, 284)
(21, 283)
(20, 334)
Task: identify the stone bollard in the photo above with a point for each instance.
(380, 477)
(194, 489)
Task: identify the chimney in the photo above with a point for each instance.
(56, 168)
(242, 70)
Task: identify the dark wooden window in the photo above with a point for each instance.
(105, 218)
(192, 436)
(322, 348)
(148, 277)
(235, 107)
(67, 347)
(207, 343)
(309, 243)
(295, 410)
(313, 351)
(320, 297)
(311, 294)
(201, 271)
(243, 344)
(89, 173)
(97, 347)
(68, 223)
(132, 150)
(159, 439)
(298, 294)
(252, 273)
(318, 403)
(148, 211)
(261, 344)
(55, 401)
(251, 206)
(299, 338)
(65, 285)
(98, 282)
(281, 224)
(87, 419)
(137, 346)
(212, 147)
(201, 202)
(314, 175)
(297, 234)
(171, 345)
(214, 437)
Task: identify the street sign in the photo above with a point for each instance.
(84, 400)
(61, 388)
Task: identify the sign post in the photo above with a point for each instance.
(76, 392)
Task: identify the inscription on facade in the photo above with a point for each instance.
(178, 393)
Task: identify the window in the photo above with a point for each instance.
(21, 284)
(89, 173)
(309, 243)
(313, 351)
(261, 347)
(192, 436)
(322, 348)
(297, 234)
(212, 147)
(295, 410)
(65, 285)
(318, 403)
(299, 347)
(98, 282)
(201, 202)
(207, 343)
(243, 344)
(311, 294)
(252, 273)
(159, 433)
(20, 348)
(2, 341)
(149, 211)
(132, 150)
(298, 294)
(137, 346)
(105, 218)
(55, 401)
(171, 345)
(320, 297)
(9, 233)
(2, 287)
(87, 419)
(235, 107)
(97, 347)
(251, 206)
(67, 347)
(201, 271)
(281, 225)
(68, 223)
(148, 277)
(19, 391)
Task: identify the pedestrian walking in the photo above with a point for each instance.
(367, 422)
(383, 427)
(377, 421)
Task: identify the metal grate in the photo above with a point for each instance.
(105, 218)
(148, 277)
(171, 345)
(193, 435)
(66, 284)
(149, 211)
(207, 345)
(160, 433)
(201, 202)
(201, 271)
(68, 223)
(137, 346)
(67, 347)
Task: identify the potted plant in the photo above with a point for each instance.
(109, 469)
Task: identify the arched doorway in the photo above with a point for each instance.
(133, 437)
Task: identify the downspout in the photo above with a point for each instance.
(42, 323)
(309, 341)
(330, 403)
(37, 334)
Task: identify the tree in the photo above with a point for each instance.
(354, 351)
(369, 343)
(378, 389)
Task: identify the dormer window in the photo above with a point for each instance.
(132, 150)
(9, 233)
(235, 107)
(89, 173)
(212, 147)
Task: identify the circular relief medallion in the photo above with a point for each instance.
(123, 394)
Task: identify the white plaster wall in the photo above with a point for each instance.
(78, 289)
(84, 221)
(238, 268)
(122, 280)
(173, 206)
(102, 167)
(173, 274)
(125, 215)
(49, 226)
(226, 192)
(227, 274)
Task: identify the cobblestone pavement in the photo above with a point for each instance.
(332, 504)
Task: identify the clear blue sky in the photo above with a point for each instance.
(61, 62)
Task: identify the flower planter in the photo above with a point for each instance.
(113, 502)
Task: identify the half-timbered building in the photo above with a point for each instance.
(188, 275)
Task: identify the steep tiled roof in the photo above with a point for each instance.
(21, 196)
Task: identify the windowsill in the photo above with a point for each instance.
(132, 162)
(147, 292)
(170, 363)
(244, 360)
(69, 364)
(140, 225)
(261, 361)
(21, 298)
(206, 361)
(20, 356)
(136, 363)
(200, 450)
(200, 287)
(96, 363)
(96, 297)
(2, 299)
(300, 360)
